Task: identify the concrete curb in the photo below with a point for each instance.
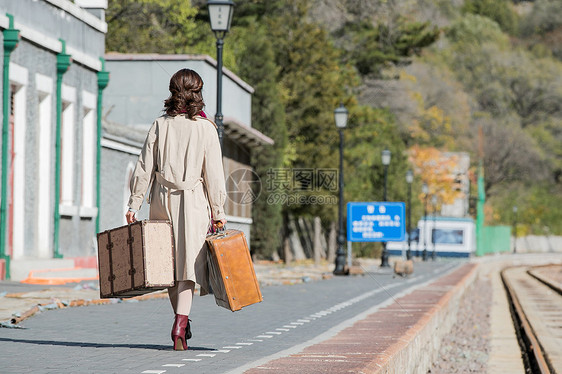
(61, 304)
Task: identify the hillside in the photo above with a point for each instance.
(413, 73)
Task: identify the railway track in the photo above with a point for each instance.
(535, 297)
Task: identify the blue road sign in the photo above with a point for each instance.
(376, 222)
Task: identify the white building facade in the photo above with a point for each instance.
(49, 130)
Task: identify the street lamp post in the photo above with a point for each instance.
(220, 16)
(385, 155)
(515, 229)
(425, 191)
(434, 232)
(340, 116)
(409, 180)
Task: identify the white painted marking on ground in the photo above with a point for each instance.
(174, 365)
(191, 359)
(255, 340)
(153, 371)
(232, 347)
(303, 320)
(221, 351)
(244, 343)
(297, 323)
(264, 336)
(206, 355)
(274, 332)
(282, 329)
(293, 327)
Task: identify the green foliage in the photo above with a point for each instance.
(477, 30)
(477, 75)
(257, 66)
(549, 135)
(518, 90)
(500, 11)
(312, 81)
(369, 132)
(149, 26)
(542, 28)
(545, 17)
(538, 207)
(373, 47)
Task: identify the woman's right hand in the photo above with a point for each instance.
(130, 216)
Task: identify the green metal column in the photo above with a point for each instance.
(11, 38)
(63, 63)
(480, 212)
(103, 80)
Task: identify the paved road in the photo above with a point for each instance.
(134, 337)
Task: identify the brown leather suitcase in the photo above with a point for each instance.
(136, 259)
(231, 271)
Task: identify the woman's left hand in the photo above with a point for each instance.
(218, 225)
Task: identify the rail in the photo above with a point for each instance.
(533, 355)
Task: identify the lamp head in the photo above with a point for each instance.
(220, 16)
(409, 177)
(425, 189)
(340, 116)
(386, 157)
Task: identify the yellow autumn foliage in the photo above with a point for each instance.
(437, 170)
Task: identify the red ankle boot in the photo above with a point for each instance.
(179, 332)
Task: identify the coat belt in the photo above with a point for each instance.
(187, 185)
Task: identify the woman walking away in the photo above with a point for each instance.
(182, 161)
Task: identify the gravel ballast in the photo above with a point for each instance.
(466, 348)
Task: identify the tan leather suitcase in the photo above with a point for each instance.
(136, 259)
(231, 271)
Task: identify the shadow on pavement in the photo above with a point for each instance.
(101, 345)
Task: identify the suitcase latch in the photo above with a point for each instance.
(109, 246)
(130, 240)
(132, 271)
(111, 278)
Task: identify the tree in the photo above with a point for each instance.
(150, 26)
(257, 67)
(374, 47)
(535, 87)
(436, 170)
(499, 11)
(369, 132)
(510, 155)
(312, 82)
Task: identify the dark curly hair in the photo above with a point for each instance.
(185, 94)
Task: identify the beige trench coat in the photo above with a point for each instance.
(183, 160)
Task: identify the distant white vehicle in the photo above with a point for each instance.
(448, 236)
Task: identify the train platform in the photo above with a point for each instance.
(402, 335)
